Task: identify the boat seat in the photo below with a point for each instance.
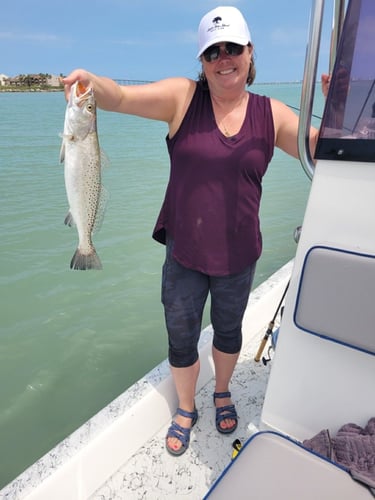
(271, 466)
(335, 299)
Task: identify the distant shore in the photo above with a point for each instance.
(22, 89)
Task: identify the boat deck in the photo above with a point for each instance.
(153, 474)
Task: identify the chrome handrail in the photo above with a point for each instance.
(309, 76)
(308, 87)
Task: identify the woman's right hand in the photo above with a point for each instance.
(77, 75)
(108, 95)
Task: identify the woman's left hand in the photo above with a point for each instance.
(325, 79)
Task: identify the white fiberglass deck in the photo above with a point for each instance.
(153, 474)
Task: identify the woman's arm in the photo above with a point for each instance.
(166, 100)
(286, 129)
(286, 124)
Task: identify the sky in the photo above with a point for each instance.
(148, 39)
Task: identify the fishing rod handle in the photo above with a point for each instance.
(264, 341)
(261, 349)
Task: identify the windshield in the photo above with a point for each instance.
(348, 127)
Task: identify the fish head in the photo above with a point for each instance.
(80, 115)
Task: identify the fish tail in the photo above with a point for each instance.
(84, 261)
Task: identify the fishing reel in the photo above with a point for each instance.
(274, 336)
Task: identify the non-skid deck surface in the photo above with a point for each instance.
(154, 474)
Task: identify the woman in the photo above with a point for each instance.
(221, 140)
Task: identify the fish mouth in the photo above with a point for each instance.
(79, 94)
(81, 89)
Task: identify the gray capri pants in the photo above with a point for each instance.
(184, 295)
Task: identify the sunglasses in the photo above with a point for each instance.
(231, 49)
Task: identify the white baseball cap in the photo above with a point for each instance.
(223, 24)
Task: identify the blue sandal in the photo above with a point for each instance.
(181, 433)
(225, 412)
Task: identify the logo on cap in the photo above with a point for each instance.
(217, 24)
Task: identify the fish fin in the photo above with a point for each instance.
(102, 204)
(85, 262)
(104, 160)
(69, 220)
(62, 151)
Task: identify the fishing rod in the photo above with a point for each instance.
(298, 109)
(269, 331)
(271, 325)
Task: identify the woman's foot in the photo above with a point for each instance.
(178, 435)
(226, 415)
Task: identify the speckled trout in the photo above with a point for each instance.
(82, 158)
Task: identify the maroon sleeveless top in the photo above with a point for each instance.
(211, 206)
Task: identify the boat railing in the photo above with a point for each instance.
(309, 75)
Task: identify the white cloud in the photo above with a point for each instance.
(162, 38)
(29, 37)
(288, 37)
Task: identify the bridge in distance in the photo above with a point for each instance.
(131, 82)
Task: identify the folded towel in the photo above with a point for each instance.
(353, 447)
